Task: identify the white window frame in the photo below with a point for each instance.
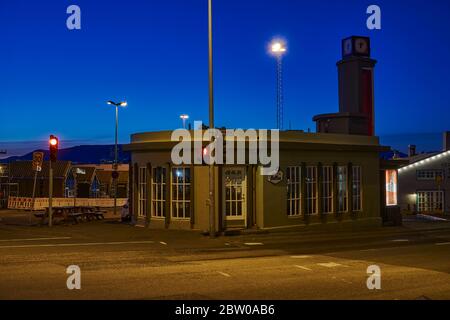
(357, 188)
(429, 174)
(311, 190)
(159, 193)
(429, 200)
(142, 191)
(327, 189)
(294, 191)
(342, 205)
(175, 202)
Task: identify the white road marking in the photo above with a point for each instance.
(254, 244)
(330, 265)
(400, 240)
(35, 239)
(77, 244)
(303, 268)
(300, 257)
(224, 274)
(443, 244)
(163, 243)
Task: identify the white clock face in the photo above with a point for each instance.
(348, 47)
(361, 46)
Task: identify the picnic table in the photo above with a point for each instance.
(75, 214)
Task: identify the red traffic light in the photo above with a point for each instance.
(54, 141)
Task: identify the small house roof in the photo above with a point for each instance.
(24, 170)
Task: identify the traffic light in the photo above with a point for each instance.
(53, 142)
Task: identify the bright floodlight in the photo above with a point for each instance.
(278, 47)
(184, 117)
(118, 104)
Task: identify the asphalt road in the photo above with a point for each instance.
(123, 262)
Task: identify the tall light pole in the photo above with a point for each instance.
(115, 166)
(212, 207)
(184, 117)
(278, 50)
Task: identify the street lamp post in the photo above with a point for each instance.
(278, 49)
(184, 117)
(212, 222)
(115, 166)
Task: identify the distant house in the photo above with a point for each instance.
(22, 174)
(424, 184)
(87, 182)
(107, 184)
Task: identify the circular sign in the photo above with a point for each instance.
(276, 178)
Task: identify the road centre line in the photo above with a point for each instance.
(330, 265)
(303, 268)
(254, 244)
(442, 244)
(77, 244)
(224, 274)
(35, 239)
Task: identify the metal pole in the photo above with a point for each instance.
(34, 194)
(280, 92)
(212, 222)
(50, 195)
(115, 160)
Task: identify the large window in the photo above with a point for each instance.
(356, 189)
(429, 174)
(293, 177)
(181, 193)
(327, 189)
(142, 192)
(342, 188)
(430, 201)
(159, 192)
(311, 190)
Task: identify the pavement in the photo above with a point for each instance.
(119, 261)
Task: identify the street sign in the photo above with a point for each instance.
(38, 158)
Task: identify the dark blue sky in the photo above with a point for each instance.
(154, 54)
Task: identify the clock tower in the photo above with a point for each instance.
(356, 91)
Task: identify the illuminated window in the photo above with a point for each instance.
(327, 189)
(356, 189)
(430, 201)
(293, 178)
(142, 192)
(159, 192)
(311, 190)
(429, 174)
(181, 193)
(391, 187)
(342, 188)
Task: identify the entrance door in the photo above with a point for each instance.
(235, 196)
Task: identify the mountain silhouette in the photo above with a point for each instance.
(81, 155)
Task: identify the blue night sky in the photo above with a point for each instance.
(154, 55)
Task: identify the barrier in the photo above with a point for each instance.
(22, 203)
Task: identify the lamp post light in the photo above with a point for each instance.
(184, 117)
(122, 104)
(278, 50)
